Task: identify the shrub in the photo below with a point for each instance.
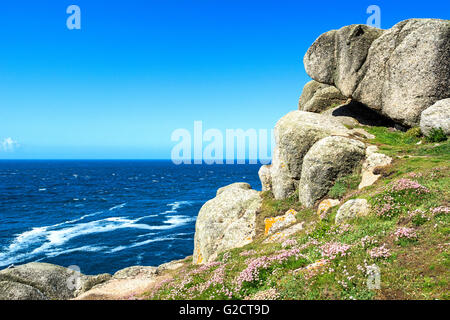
(413, 132)
(436, 135)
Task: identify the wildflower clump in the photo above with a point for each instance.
(332, 250)
(411, 185)
(404, 235)
(380, 252)
(440, 210)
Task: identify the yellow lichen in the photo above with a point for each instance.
(269, 222)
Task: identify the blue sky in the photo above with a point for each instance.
(138, 70)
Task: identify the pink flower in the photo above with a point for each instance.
(407, 184)
(440, 210)
(405, 233)
(380, 252)
(333, 249)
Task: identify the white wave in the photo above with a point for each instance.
(143, 243)
(49, 240)
(58, 252)
(176, 205)
(119, 206)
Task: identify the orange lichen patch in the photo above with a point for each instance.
(326, 205)
(199, 258)
(316, 265)
(269, 222)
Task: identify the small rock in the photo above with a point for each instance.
(283, 235)
(265, 177)
(326, 205)
(351, 209)
(318, 97)
(372, 161)
(274, 224)
(436, 116)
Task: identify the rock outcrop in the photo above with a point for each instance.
(45, 281)
(352, 209)
(225, 222)
(318, 97)
(327, 160)
(435, 117)
(398, 72)
(295, 134)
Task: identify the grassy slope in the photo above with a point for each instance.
(411, 269)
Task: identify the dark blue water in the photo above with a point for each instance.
(105, 215)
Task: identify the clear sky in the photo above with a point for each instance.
(138, 70)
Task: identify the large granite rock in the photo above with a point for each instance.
(225, 222)
(317, 97)
(337, 56)
(328, 159)
(436, 116)
(45, 281)
(399, 72)
(295, 134)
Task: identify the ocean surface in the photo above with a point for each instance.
(103, 216)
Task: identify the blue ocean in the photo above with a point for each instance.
(105, 215)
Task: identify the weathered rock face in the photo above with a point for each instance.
(45, 281)
(352, 209)
(436, 116)
(398, 72)
(317, 97)
(295, 134)
(407, 69)
(327, 160)
(10, 290)
(337, 56)
(225, 222)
